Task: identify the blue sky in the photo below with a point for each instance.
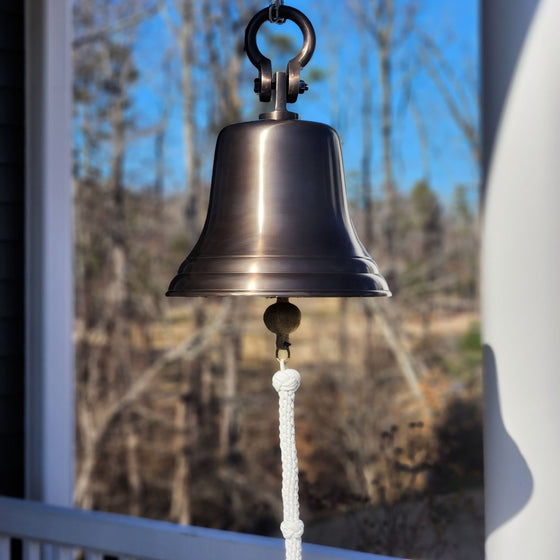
(452, 25)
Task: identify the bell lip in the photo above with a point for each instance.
(282, 293)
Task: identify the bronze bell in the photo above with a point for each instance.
(278, 221)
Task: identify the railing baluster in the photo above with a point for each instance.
(47, 552)
(31, 550)
(5, 548)
(61, 553)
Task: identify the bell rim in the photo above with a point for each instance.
(279, 285)
(275, 294)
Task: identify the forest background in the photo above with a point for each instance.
(176, 413)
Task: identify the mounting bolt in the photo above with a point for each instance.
(257, 88)
(303, 87)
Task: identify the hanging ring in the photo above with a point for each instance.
(263, 84)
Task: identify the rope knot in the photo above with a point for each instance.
(292, 529)
(286, 380)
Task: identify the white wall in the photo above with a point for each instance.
(521, 277)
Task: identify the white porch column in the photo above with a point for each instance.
(521, 277)
(49, 278)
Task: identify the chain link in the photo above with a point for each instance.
(274, 12)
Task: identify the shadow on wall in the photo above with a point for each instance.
(513, 485)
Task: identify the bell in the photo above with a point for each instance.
(278, 222)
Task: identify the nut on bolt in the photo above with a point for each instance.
(303, 86)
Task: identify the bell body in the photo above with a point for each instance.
(278, 222)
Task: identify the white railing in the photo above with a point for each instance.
(56, 533)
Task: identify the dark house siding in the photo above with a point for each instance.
(11, 247)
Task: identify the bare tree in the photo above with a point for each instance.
(379, 20)
(460, 99)
(96, 416)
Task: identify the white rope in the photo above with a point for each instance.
(286, 382)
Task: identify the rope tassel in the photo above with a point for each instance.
(286, 382)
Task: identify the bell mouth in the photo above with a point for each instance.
(279, 277)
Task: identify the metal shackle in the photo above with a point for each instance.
(264, 65)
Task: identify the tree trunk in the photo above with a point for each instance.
(133, 468)
(193, 209)
(343, 338)
(180, 510)
(384, 50)
(228, 425)
(367, 144)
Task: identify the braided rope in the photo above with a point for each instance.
(286, 383)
